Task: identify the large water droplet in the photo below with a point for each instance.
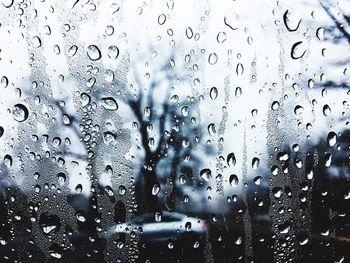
(289, 22)
(93, 52)
(72, 51)
(155, 189)
(205, 174)
(233, 180)
(7, 3)
(326, 110)
(332, 138)
(189, 33)
(20, 112)
(109, 103)
(298, 50)
(113, 52)
(255, 163)
(275, 105)
(4, 82)
(161, 19)
(213, 58)
(36, 41)
(231, 159)
(213, 93)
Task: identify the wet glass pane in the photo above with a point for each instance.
(174, 131)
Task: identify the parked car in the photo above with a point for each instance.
(166, 227)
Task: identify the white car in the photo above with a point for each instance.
(162, 227)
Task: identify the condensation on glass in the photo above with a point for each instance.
(174, 131)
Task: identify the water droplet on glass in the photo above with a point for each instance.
(289, 22)
(213, 93)
(93, 52)
(85, 99)
(185, 111)
(320, 33)
(36, 41)
(109, 76)
(275, 105)
(72, 51)
(211, 129)
(221, 37)
(239, 69)
(332, 138)
(205, 174)
(161, 19)
(122, 190)
(255, 163)
(233, 180)
(298, 110)
(109, 30)
(189, 33)
(298, 50)
(4, 82)
(109, 103)
(113, 52)
(155, 189)
(20, 112)
(213, 58)
(326, 110)
(7, 3)
(231, 159)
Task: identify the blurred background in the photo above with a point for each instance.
(178, 131)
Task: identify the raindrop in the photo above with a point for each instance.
(93, 52)
(109, 30)
(109, 103)
(8, 160)
(109, 190)
(211, 129)
(213, 93)
(113, 52)
(231, 159)
(328, 160)
(109, 76)
(61, 177)
(255, 163)
(213, 58)
(221, 37)
(189, 33)
(4, 82)
(332, 138)
(80, 217)
(36, 41)
(228, 23)
(288, 22)
(79, 188)
(122, 190)
(233, 180)
(326, 110)
(297, 50)
(185, 111)
(320, 33)
(298, 110)
(72, 51)
(239, 69)
(85, 99)
(161, 19)
(275, 105)
(205, 174)
(155, 189)
(20, 112)
(7, 3)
